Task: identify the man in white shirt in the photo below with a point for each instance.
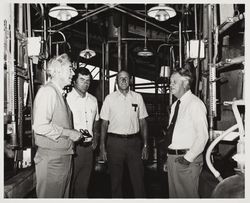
(123, 121)
(53, 132)
(84, 108)
(190, 135)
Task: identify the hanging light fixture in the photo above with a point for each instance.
(87, 53)
(63, 12)
(145, 51)
(161, 12)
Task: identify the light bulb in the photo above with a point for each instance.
(162, 15)
(63, 15)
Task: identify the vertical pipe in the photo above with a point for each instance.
(211, 73)
(119, 42)
(44, 40)
(180, 45)
(102, 75)
(126, 55)
(20, 29)
(12, 77)
(106, 76)
(195, 22)
(205, 80)
(50, 43)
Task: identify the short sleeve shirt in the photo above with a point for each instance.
(123, 112)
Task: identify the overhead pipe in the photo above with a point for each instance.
(92, 13)
(122, 9)
(142, 19)
(75, 22)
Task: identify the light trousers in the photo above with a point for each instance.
(183, 180)
(53, 174)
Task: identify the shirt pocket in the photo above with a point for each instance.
(135, 108)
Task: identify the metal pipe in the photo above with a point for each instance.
(12, 77)
(180, 46)
(88, 16)
(195, 22)
(126, 55)
(211, 74)
(44, 40)
(121, 9)
(142, 19)
(20, 29)
(230, 22)
(93, 12)
(119, 47)
(211, 147)
(204, 64)
(102, 73)
(106, 73)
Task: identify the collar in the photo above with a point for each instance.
(120, 94)
(57, 86)
(185, 96)
(77, 95)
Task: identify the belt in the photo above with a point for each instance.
(177, 151)
(123, 135)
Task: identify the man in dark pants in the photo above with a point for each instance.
(123, 120)
(85, 116)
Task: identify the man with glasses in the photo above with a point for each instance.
(123, 121)
(85, 116)
(54, 133)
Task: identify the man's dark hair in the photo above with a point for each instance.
(82, 71)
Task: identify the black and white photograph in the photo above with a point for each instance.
(123, 100)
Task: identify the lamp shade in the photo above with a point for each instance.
(63, 12)
(161, 12)
(87, 53)
(145, 52)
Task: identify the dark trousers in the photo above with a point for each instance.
(122, 151)
(82, 167)
(53, 174)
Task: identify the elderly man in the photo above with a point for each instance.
(123, 120)
(54, 135)
(85, 116)
(188, 134)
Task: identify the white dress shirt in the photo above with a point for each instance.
(84, 109)
(191, 128)
(123, 112)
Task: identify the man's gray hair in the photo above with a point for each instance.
(56, 62)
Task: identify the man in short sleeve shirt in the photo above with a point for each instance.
(123, 123)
